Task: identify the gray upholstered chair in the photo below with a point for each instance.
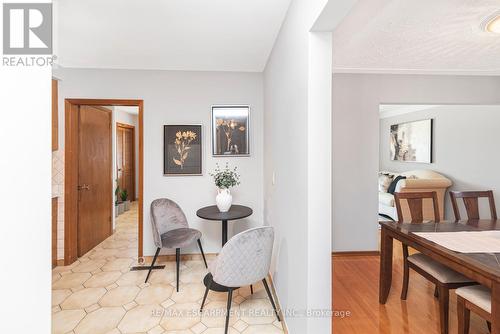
(171, 230)
(244, 260)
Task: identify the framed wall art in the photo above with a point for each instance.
(182, 150)
(230, 131)
(412, 141)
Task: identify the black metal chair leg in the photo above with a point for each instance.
(229, 299)
(178, 260)
(152, 264)
(271, 298)
(202, 254)
(251, 289)
(205, 296)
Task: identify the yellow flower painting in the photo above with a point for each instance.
(182, 150)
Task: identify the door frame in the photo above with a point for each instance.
(131, 127)
(71, 106)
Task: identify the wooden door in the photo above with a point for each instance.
(125, 159)
(95, 194)
(54, 232)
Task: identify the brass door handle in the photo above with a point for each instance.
(84, 187)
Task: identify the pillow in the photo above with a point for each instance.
(394, 183)
(384, 181)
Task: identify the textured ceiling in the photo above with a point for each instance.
(203, 35)
(420, 36)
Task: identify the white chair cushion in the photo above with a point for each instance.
(386, 199)
(439, 271)
(477, 295)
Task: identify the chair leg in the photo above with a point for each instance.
(436, 292)
(152, 264)
(444, 302)
(229, 300)
(406, 280)
(177, 260)
(463, 314)
(251, 289)
(271, 298)
(205, 295)
(202, 254)
(488, 324)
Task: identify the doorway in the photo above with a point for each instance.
(125, 159)
(89, 180)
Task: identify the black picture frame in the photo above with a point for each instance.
(182, 155)
(230, 130)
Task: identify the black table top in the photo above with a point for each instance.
(235, 212)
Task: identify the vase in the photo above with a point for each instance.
(223, 200)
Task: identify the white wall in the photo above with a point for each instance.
(294, 79)
(183, 97)
(465, 140)
(356, 100)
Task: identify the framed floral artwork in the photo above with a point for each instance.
(182, 150)
(230, 132)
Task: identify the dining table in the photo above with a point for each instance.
(483, 268)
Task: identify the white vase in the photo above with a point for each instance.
(223, 200)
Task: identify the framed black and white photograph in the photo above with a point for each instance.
(230, 131)
(412, 141)
(182, 150)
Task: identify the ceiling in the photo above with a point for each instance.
(201, 35)
(424, 36)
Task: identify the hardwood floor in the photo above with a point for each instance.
(355, 289)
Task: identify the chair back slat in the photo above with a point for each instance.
(415, 204)
(471, 203)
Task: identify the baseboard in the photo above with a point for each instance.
(60, 263)
(356, 253)
(278, 304)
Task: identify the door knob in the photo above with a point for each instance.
(84, 187)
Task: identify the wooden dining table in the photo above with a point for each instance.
(483, 268)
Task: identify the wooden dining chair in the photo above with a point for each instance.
(471, 202)
(475, 298)
(443, 277)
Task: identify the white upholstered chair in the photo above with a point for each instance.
(476, 298)
(244, 260)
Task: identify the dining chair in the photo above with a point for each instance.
(244, 260)
(475, 298)
(443, 277)
(471, 202)
(171, 230)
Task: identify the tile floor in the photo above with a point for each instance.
(98, 294)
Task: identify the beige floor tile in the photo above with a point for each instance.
(157, 330)
(193, 275)
(65, 321)
(188, 293)
(100, 321)
(58, 296)
(132, 278)
(180, 316)
(102, 279)
(187, 331)
(130, 305)
(83, 298)
(214, 314)
(161, 277)
(240, 326)
(117, 264)
(92, 308)
(71, 281)
(154, 294)
(119, 296)
(257, 312)
(89, 266)
(141, 319)
(220, 330)
(198, 328)
(262, 329)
